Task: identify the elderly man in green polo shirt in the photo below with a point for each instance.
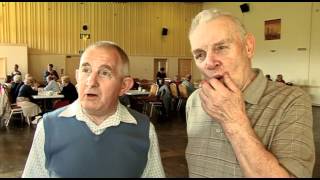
(239, 124)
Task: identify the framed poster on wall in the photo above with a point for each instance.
(272, 29)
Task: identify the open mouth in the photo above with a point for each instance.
(91, 95)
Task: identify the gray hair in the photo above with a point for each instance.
(213, 13)
(109, 44)
(17, 78)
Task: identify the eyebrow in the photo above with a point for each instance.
(219, 43)
(100, 67)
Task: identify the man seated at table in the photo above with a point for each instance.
(52, 84)
(25, 100)
(68, 90)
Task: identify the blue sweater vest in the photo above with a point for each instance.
(72, 150)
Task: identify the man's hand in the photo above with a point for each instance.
(223, 101)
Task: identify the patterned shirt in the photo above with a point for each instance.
(280, 115)
(35, 166)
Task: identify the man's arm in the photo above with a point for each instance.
(225, 104)
(35, 165)
(154, 168)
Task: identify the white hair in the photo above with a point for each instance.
(213, 13)
(109, 44)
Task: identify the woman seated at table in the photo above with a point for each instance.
(52, 84)
(25, 100)
(68, 90)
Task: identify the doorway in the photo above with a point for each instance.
(184, 67)
(72, 64)
(159, 63)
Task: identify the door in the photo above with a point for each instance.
(159, 63)
(184, 67)
(72, 64)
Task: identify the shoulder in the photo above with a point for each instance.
(194, 99)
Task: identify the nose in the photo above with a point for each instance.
(211, 61)
(92, 80)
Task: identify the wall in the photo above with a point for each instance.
(54, 27)
(300, 28)
(38, 63)
(15, 54)
(52, 30)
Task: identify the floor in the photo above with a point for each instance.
(15, 142)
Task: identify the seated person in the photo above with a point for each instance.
(176, 80)
(188, 84)
(25, 100)
(68, 90)
(50, 72)
(52, 84)
(15, 87)
(165, 95)
(280, 78)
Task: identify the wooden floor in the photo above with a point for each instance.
(15, 142)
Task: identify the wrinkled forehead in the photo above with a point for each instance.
(101, 56)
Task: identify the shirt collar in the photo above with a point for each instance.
(254, 92)
(121, 115)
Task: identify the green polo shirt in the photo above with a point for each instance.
(280, 115)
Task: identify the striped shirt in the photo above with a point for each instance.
(35, 166)
(280, 115)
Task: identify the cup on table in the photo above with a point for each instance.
(139, 88)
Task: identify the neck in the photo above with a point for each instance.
(251, 76)
(98, 118)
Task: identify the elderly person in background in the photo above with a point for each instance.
(15, 87)
(52, 84)
(68, 89)
(25, 100)
(239, 124)
(188, 84)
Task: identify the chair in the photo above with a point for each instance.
(152, 99)
(14, 109)
(183, 95)
(174, 93)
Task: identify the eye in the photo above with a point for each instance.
(105, 73)
(200, 55)
(220, 48)
(85, 69)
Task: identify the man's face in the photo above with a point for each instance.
(100, 81)
(49, 68)
(218, 49)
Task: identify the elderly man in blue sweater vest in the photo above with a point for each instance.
(96, 136)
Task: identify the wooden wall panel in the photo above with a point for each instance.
(54, 27)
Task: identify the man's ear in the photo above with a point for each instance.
(77, 76)
(250, 45)
(127, 84)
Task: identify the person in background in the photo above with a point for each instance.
(68, 89)
(239, 124)
(160, 76)
(52, 84)
(50, 71)
(16, 85)
(188, 84)
(96, 136)
(16, 71)
(268, 77)
(280, 79)
(176, 80)
(25, 100)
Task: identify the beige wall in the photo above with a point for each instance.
(300, 28)
(15, 54)
(38, 63)
(55, 27)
